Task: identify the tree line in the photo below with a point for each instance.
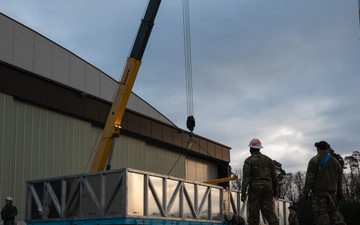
(291, 187)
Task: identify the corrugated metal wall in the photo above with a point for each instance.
(200, 170)
(143, 156)
(38, 143)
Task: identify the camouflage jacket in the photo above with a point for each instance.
(9, 212)
(259, 170)
(328, 178)
(293, 218)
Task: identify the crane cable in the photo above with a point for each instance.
(359, 11)
(189, 89)
(190, 122)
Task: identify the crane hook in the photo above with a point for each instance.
(190, 123)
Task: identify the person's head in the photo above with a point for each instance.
(291, 207)
(255, 145)
(322, 146)
(8, 200)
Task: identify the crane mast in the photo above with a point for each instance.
(113, 122)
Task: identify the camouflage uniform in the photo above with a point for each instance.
(8, 213)
(293, 219)
(326, 186)
(260, 175)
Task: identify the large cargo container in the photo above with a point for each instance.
(129, 196)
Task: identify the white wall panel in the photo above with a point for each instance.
(23, 34)
(23, 47)
(6, 44)
(29, 50)
(92, 81)
(6, 26)
(61, 65)
(42, 57)
(77, 73)
(107, 87)
(6, 52)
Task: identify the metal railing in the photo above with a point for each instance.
(121, 194)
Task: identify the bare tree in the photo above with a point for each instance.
(299, 182)
(352, 182)
(346, 186)
(289, 191)
(280, 172)
(236, 184)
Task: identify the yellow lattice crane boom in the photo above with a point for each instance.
(113, 122)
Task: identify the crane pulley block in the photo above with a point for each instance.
(190, 123)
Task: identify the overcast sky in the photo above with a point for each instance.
(286, 72)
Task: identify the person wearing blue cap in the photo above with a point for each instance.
(324, 180)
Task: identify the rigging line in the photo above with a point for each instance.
(92, 152)
(187, 55)
(175, 164)
(359, 11)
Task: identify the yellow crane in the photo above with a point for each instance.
(113, 123)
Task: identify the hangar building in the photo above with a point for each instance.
(54, 106)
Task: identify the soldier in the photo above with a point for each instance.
(323, 178)
(260, 175)
(293, 218)
(8, 212)
(337, 156)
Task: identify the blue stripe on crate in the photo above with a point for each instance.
(125, 221)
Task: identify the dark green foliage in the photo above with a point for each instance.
(338, 157)
(305, 212)
(280, 173)
(350, 211)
